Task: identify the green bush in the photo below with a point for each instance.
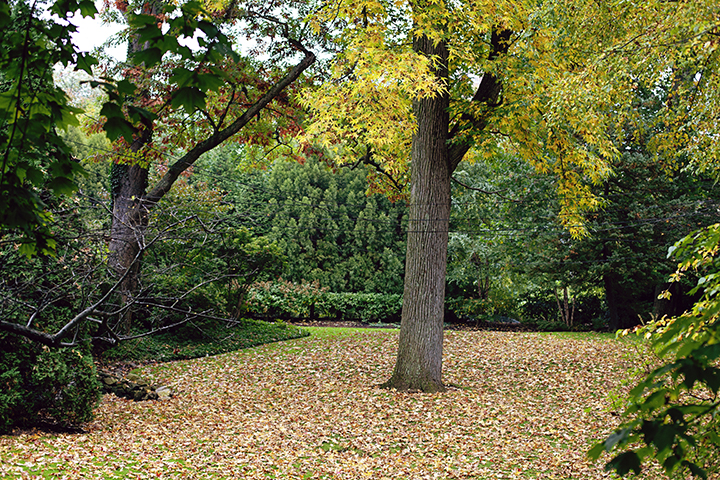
(307, 300)
(200, 339)
(283, 299)
(480, 308)
(37, 383)
(365, 307)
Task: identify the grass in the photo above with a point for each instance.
(194, 341)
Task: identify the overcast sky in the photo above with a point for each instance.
(92, 32)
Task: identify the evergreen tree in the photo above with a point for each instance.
(331, 231)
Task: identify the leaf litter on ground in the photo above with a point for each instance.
(519, 405)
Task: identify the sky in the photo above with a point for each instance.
(92, 32)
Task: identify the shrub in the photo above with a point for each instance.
(308, 300)
(38, 382)
(365, 307)
(283, 299)
(201, 339)
(498, 304)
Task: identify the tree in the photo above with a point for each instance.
(37, 163)
(499, 207)
(672, 413)
(34, 157)
(333, 232)
(477, 74)
(218, 91)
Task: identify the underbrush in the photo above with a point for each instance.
(194, 340)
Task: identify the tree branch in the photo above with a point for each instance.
(488, 92)
(486, 192)
(166, 182)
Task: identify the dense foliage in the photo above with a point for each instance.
(673, 412)
(34, 159)
(307, 301)
(333, 232)
(43, 384)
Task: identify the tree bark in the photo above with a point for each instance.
(129, 215)
(419, 360)
(436, 152)
(129, 222)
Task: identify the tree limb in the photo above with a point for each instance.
(166, 182)
(488, 92)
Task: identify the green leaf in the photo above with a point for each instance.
(149, 57)
(665, 437)
(27, 248)
(4, 14)
(620, 436)
(190, 98)
(649, 430)
(137, 113)
(209, 82)
(655, 401)
(87, 8)
(209, 29)
(624, 463)
(111, 110)
(117, 127)
(597, 450)
(126, 87)
(85, 62)
(181, 76)
(35, 176)
(62, 186)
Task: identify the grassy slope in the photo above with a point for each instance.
(526, 406)
(194, 341)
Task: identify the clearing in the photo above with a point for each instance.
(521, 405)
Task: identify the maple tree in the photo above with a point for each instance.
(165, 83)
(33, 158)
(183, 103)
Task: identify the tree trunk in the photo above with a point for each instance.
(436, 152)
(129, 223)
(419, 360)
(132, 200)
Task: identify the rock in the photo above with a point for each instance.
(133, 387)
(163, 393)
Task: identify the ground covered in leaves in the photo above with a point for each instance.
(521, 405)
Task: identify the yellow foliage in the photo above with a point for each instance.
(568, 80)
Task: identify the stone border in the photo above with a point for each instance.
(133, 387)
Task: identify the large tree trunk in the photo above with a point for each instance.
(419, 360)
(434, 159)
(129, 216)
(129, 222)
